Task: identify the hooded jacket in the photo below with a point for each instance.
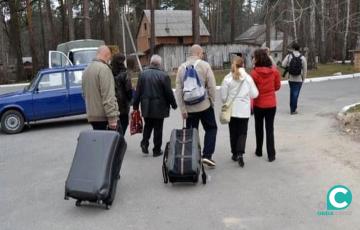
(267, 80)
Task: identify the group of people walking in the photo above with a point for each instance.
(108, 95)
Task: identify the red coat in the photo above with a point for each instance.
(267, 81)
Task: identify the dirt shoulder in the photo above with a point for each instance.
(350, 122)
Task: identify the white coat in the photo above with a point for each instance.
(242, 105)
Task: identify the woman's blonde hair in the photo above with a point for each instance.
(237, 62)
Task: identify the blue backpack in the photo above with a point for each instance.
(193, 91)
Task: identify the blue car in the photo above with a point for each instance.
(53, 93)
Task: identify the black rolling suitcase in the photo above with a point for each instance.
(95, 168)
(182, 157)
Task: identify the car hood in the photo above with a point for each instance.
(10, 95)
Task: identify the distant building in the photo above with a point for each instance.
(172, 27)
(256, 35)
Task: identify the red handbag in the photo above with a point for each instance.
(136, 123)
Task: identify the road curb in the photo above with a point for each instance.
(344, 110)
(283, 82)
(13, 85)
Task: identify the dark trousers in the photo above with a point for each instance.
(238, 132)
(207, 118)
(268, 115)
(156, 125)
(295, 88)
(99, 125)
(124, 121)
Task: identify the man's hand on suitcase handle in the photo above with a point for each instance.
(112, 123)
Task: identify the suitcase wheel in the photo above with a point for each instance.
(203, 177)
(78, 203)
(107, 207)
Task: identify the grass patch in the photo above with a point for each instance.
(322, 70)
(354, 109)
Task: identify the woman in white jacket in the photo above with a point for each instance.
(241, 107)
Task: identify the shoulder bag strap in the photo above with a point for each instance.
(237, 92)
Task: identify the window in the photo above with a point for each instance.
(52, 81)
(75, 78)
(145, 26)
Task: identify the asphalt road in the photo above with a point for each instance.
(312, 157)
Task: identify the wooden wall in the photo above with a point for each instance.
(216, 54)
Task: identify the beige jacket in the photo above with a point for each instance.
(99, 93)
(207, 79)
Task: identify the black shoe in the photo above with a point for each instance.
(235, 157)
(271, 159)
(208, 162)
(158, 153)
(258, 154)
(294, 113)
(144, 148)
(241, 161)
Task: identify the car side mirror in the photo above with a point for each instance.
(36, 90)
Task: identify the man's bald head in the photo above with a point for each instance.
(197, 51)
(103, 53)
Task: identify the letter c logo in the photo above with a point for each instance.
(339, 197)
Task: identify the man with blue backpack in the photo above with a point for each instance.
(296, 66)
(195, 93)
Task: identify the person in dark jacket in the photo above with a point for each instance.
(123, 89)
(267, 80)
(154, 93)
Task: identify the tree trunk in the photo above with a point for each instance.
(286, 31)
(268, 25)
(114, 22)
(195, 22)
(87, 30)
(232, 20)
(322, 30)
(51, 25)
(64, 25)
(101, 18)
(70, 19)
(15, 38)
(294, 21)
(312, 45)
(43, 39)
(35, 64)
(4, 50)
(344, 50)
(152, 27)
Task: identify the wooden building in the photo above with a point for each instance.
(172, 27)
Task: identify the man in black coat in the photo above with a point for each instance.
(154, 93)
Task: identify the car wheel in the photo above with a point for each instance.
(12, 122)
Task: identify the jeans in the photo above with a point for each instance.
(207, 118)
(238, 133)
(295, 88)
(268, 115)
(156, 125)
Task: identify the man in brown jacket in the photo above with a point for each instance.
(204, 110)
(99, 92)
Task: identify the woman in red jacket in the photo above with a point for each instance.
(267, 80)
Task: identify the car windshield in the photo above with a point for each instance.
(84, 56)
(31, 85)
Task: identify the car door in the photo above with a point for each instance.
(58, 59)
(77, 103)
(51, 96)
